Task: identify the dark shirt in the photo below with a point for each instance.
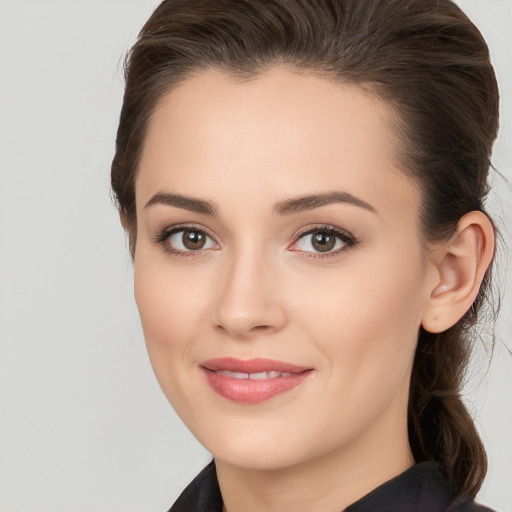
(422, 488)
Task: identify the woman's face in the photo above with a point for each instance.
(280, 273)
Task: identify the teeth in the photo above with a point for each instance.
(233, 375)
(259, 376)
(253, 376)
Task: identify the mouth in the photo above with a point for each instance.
(253, 376)
(254, 380)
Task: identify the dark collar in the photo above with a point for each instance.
(422, 488)
(202, 494)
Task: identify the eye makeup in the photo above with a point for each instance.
(193, 235)
(191, 240)
(326, 241)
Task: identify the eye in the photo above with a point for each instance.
(328, 240)
(186, 240)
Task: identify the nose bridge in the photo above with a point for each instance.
(248, 301)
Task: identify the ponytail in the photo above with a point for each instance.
(440, 426)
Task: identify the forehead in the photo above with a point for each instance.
(280, 134)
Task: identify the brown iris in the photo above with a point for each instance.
(323, 242)
(193, 240)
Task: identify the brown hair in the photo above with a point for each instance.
(423, 57)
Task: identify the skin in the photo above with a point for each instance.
(257, 289)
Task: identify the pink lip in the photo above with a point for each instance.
(248, 391)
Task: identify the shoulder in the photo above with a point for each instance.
(422, 488)
(462, 505)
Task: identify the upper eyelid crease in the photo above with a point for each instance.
(287, 207)
(346, 238)
(324, 228)
(339, 232)
(166, 232)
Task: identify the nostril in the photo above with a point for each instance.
(261, 328)
(243, 331)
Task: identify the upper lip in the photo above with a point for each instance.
(256, 365)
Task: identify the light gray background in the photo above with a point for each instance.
(83, 424)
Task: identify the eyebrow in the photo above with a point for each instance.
(287, 207)
(310, 202)
(185, 202)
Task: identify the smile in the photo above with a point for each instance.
(253, 376)
(252, 381)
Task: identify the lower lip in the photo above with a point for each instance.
(246, 391)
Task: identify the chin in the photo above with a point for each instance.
(256, 448)
(257, 458)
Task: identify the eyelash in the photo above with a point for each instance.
(163, 237)
(345, 237)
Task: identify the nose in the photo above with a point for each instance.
(249, 302)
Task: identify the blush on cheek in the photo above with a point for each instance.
(168, 312)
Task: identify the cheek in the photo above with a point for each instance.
(170, 308)
(168, 312)
(168, 295)
(366, 320)
(157, 299)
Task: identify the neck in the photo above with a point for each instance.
(328, 483)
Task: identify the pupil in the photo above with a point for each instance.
(193, 240)
(323, 242)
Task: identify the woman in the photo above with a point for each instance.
(303, 185)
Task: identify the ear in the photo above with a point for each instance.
(459, 268)
(123, 219)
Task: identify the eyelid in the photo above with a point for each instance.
(163, 235)
(346, 238)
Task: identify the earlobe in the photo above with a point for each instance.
(460, 265)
